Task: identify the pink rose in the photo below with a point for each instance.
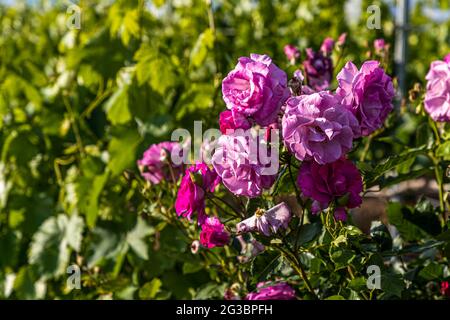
(198, 180)
(156, 163)
(231, 120)
(242, 168)
(213, 233)
(256, 88)
(447, 58)
(339, 181)
(437, 97)
(368, 93)
(317, 127)
(279, 291)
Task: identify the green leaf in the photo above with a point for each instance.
(26, 285)
(307, 233)
(98, 184)
(341, 257)
(210, 291)
(392, 284)
(150, 289)
(105, 244)
(358, 284)
(408, 231)
(51, 244)
(444, 150)
(432, 271)
(117, 108)
(205, 42)
(136, 238)
(335, 297)
(371, 177)
(122, 150)
(192, 267)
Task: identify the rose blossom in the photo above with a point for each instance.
(198, 180)
(291, 52)
(338, 181)
(156, 163)
(244, 171)
(231, 120)
(379, 45)
(317, 127)
(268, 222)
(327, 46)
(447, 58)
(319, 69)
(213, 233)
(342, 39)
(437, 97)
(256, 88)
(368, 93)
(279, 291)
(445, 288)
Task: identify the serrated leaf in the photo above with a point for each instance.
(204, 43)
(136, 238)
(116, 107)
(51, 244)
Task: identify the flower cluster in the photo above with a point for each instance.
(318, 127)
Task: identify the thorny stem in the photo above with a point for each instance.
(74, 126)
(438, 173)
(218, 206)
(297, 192)
(212, 196)
(298, 267)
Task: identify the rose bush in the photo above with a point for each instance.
(92, 177)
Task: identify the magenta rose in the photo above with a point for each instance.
(445, 288)
(447, 58)
(231, 120)
(279, 291)
(327, 46)
(243, 169)
(339, 181)
(437, 97)
(197, 181)
(213, 233)
(319, 69)
(156, 163)
(368, 93)
(256, 88)
(317, 127)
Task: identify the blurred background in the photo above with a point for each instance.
(86, 86)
